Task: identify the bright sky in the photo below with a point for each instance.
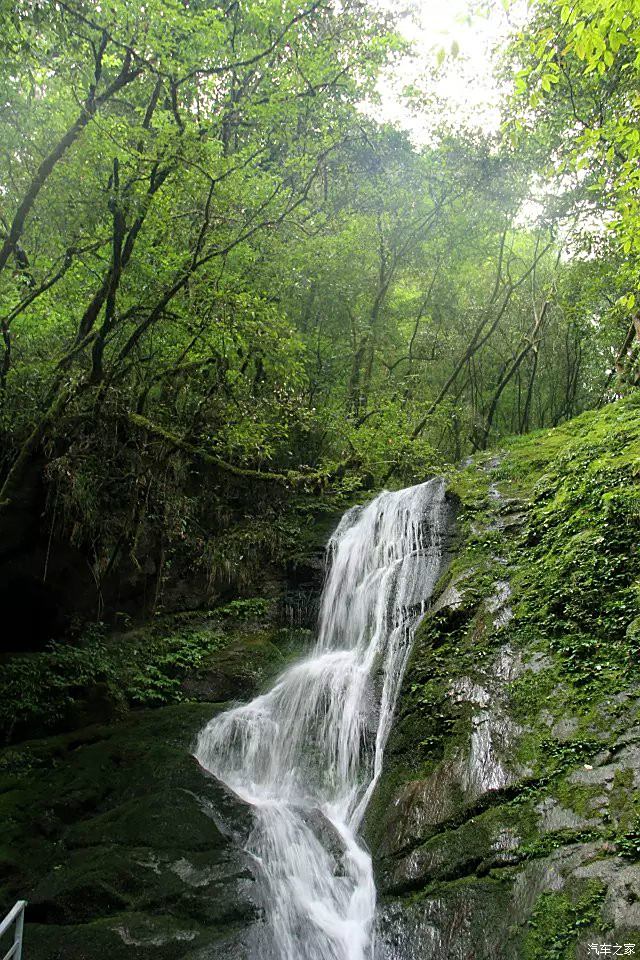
(464, 81)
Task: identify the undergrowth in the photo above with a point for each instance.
(558, 921)
(145, 668)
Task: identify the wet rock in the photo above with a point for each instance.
(603, 770)
(537, 662)
(511, 519)
(504, 617)
(565, 728)
(451, 598)
(149, 864)
(419, 807)
(462, 869)
(329, 837)
(454, 596)
(553, 816)
(622, 902)
(497, 604)
(546, 875)
(632, 735)
(502, 592)
(475, 847)
(481, 764)
(461, 921)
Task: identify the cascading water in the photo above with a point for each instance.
(307, 754)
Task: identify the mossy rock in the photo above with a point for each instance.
(123, 846)
(547, 571)
(244, 666)
(462, 919)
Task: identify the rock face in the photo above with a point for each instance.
(123, 847)
(506, 823)
(467, 862)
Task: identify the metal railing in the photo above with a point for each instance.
(15, 916)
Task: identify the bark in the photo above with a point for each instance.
(524, 422)
(626, 364)
(114, 277)
(12, 487)
(6, 359)
(289, 479)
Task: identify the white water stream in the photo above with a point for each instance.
(307, 755)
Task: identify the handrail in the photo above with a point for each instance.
(15, 915)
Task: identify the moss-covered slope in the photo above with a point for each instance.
(507, 820)
(122, 846)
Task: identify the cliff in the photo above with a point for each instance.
(507, 820)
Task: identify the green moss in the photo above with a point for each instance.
(577, 584)
(559, 919)
(502, 834)
(109, 831)
(624, 799)
(532, 691)
(548, 758)
(624, 814)
(542, 846)
(579, 797)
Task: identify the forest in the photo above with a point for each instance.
(258, 265)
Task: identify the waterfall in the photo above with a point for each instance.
(307, 754)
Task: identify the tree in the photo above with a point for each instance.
(576, 86)
(148, 152)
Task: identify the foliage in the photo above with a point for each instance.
(558, 920)
(162, 150)
(576, 90)
(45, 686)
(628, 845)
(47, 690)
(252, 608)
